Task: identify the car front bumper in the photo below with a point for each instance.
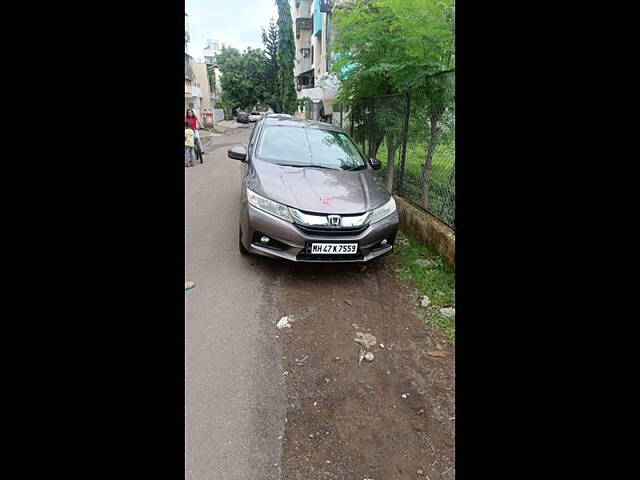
(294, 242)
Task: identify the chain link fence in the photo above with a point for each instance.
(413, 135)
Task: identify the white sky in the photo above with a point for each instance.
(234, 22)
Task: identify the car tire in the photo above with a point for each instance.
(243, 251)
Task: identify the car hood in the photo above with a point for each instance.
(317, 190)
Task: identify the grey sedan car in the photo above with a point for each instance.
(309, 195)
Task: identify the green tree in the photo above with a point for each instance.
(225, 55)
(212, 78)
(244, 77)
(286, 90)
(228, 60)
(270, 42)
(391, 46)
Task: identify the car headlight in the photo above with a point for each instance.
(384, 211)
(269, 206)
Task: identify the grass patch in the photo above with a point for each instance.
(442, 164)
(441, 191)
(436, 280)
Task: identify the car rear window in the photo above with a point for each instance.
(301, 147)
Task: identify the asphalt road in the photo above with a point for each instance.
(235, 403)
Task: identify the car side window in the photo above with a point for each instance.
(252, 141)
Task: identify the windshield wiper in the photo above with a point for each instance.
(306, 166)
(322, 166)
(357, 167)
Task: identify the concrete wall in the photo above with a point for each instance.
(217, 75)
(301, 64)
(428, 229)
(200, 71)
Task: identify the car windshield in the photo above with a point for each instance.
(309, 147)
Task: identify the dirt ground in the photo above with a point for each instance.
(346, 421)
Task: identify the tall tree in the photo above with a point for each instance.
(391, 46)
(244, 76)
(270, 42)
(286, 90)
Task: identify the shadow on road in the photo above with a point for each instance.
(275, 267)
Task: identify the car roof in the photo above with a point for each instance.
(297, 122)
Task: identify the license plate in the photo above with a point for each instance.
(334, 248)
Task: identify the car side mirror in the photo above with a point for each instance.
(238, 152)
(375, 164)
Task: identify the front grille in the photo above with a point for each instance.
(331, 232)
(330, 258)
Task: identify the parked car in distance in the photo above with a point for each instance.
(254, 116)
(242, 117)
(309, 195)
(281, 115)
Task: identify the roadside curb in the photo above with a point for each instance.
(428, 229)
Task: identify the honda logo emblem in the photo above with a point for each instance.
(334, 220)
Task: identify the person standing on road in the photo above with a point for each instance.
(195, 123)
(189, 137)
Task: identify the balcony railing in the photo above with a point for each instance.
(188, 71)
(303, 23)
(326, 5)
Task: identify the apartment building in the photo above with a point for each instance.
(200, 73)
(192, 91)
(314, 33)
(210, 53)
